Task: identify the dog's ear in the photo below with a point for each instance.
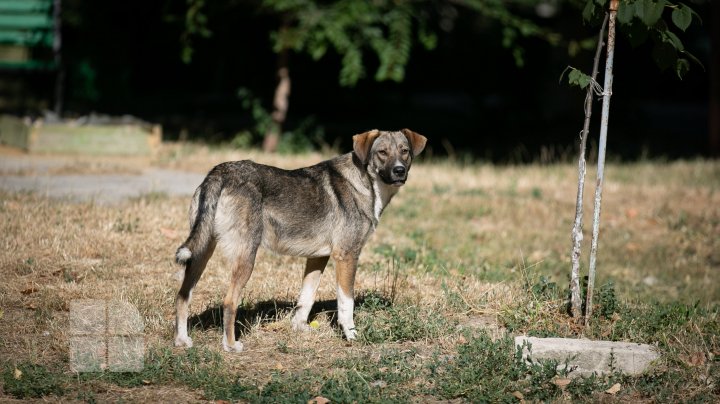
(363, 142)
(417, 141)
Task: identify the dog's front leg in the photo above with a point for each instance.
(345, 268)
(313, 270)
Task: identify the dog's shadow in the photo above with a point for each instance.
(264, 312)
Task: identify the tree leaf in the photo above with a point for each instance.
(649, 11)
(682, 17)
(589, 11)
(562, 383)
(664, 55)
(625, 13)
(614, 389)
(637, 34)
(693, 58)
(578, 78)
(673, 40)
(682, 66)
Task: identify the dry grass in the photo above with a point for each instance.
(461, 241)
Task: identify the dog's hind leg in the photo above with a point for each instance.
(243, 267)
(194, 268)
(311, 279)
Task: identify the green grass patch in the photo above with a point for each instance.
(381, 321)
(28, 380)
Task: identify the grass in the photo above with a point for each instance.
(464, 253)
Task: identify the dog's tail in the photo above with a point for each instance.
(202, 217)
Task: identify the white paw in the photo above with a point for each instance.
(350, 333)
(301, 326)
(183, 341)
(236, 347)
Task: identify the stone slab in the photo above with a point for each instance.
(589, 356)
(111, 138)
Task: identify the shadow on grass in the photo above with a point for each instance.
(269, 311)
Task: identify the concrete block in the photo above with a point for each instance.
(115, 137)
(591, 356)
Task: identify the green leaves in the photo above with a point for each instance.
(350, 28)
(682, 16)
(643, 20)
(578, 78)
(649, 11)
(625, 13)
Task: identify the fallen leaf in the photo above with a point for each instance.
(695, 359)
(632, 247)
(29, 289)
(518, 395)
(169, 233)
(383, 369)
(318, 400)
(222, 402)
(31, 306)
(378, 383)
(17, 374)
(145, 382)
(461, 340)
(613, 389)
(562, 383)
(279, 366)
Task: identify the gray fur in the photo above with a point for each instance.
(328, 209)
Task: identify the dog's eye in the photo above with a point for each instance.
(382, 153)
(404, 151)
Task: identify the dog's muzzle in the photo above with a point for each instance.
(395, 176)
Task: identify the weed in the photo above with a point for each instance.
(196, 368)
(473, 192)
(536, 193)
(28, 380)
(607, 300)
(438, 189)
(382, 322)
(282, 347)
(483, 370)
(126, 225)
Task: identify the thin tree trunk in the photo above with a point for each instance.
(605, 118)
(281, 102)
(577, 234)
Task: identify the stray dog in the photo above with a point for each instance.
(322, 211)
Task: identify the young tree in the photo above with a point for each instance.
(642, 20)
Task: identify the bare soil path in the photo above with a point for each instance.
(91, 178)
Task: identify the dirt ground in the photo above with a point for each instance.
(105, 180)
(462, 245)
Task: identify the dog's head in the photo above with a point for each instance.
(388, 155)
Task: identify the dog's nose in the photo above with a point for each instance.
(399, 170)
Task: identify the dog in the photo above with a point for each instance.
(326, 210)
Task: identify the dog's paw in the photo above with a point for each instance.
(236, 347)
(183, 341)
(350, 333)
(300, 326)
